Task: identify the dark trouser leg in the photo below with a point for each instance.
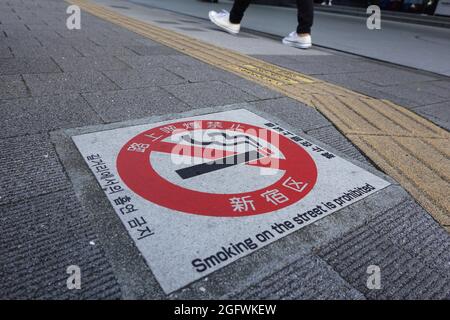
(305, 15)
(237, 12)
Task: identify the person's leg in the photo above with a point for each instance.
(305, 16)
(237, 12)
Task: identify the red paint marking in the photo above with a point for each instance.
(137, 172)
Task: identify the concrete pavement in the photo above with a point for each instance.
(53, 213)
(416, 46)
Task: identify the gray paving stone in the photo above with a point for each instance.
(89, 49)
(253, 88)
(32, 115)
(27, 65)
(321, 64)
(6, 42)
(5, 52)
(12, 87)
(331, 136)
(363, 87)
(201, 73)
(35, 26)
(417, 233)
(438, 113)
(387, 76)
(24, 34)
(133, 104)
(6, 29)
(119, 40)
(443, 84)
(56, 51)
(310, 68)
(306, 278)
(128, 79)
(147, 42)
(29, 167)
(407, 272)
(42, 84)
(421, 93)
(153, 50)
(99, 63)
(39, 239)
(208, 94)
(142, 62)
(291, 111)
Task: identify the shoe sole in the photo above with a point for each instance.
(296, 44)
(222, 27)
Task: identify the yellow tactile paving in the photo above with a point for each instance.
(406, 146)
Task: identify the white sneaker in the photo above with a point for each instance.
(222, 20)
(294, 40)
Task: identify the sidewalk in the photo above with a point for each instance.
(55, 83)
(412, 45)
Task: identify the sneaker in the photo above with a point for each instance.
(222, 20)
(294, 40)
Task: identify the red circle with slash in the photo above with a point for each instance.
(136, 171)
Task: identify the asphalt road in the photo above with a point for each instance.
(417, 46)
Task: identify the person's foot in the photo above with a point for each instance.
(294, 40)
(324, 3)
(222, 20)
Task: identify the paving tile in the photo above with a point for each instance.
(40, 239)
(188, 61)
(201, 73)
(387, 76)
(134, 104)
(291, 111)
(332, 137)
(128, 79)
(12, 87)
(23, 34)
(55, 51)
(422, 93)
(153, 50)
(32, 115)
(29, 167)
(385, 242)
(412, 228)
(89, 49)
(68, 82)
(322, 64)
(208, 94)
(90, 63)
(253, 88)
(363, 87)
(142, 62)
(305, 279)
(27, 65)
(5, 52)
(442, 83)
(438, 113)
(30, 43)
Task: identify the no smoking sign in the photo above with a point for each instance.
(202, 149)
(198, 193)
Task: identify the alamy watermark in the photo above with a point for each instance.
(74, 280)
(374, 278)
(73, 22)
(373, 22)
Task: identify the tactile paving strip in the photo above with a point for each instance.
(406, 146)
